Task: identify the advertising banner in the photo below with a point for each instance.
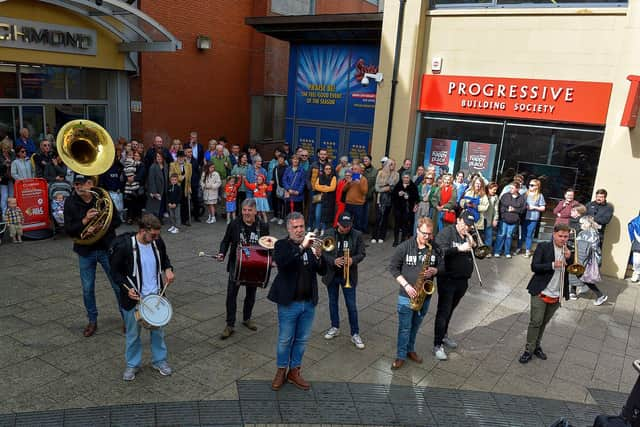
(330, 141)
(32, 198)
(440, 153)
(534, 99)
(362, 99)
(358, 144)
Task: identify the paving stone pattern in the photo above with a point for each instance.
(49, 369)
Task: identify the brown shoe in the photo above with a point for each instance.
(296, 379)
(228, 331)
(90, 329)
(250, 324)
(279, 379)
(397, 364)
(414, 356)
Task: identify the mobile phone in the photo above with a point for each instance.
(355, 176)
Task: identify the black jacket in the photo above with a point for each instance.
(174, 194)
(357, 253)
(405, 262)
(74, 210)
(121, 259)
(402, 205)
(602, 214)
(542, 267)
(519, 205)
(457, 265)
(231, 238)
(288, 257)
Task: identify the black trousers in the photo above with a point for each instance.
(450, 292)
(242, 195)
(382, 221)
(184, 210)
(232, 303)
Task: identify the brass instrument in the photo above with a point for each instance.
(327, 244)
(576, 268)
(481, 251)
(346, 268)
(424, 285)
(87, 149)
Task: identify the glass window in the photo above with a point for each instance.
(33, 119)
(98, 114)
(42, 82)
(8, 81)
(524, 3)
(86, 83)
(9, 122)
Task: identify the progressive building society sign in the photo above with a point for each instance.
(23, 34)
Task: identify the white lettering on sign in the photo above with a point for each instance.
(477, 161)
(534, 92)
(439, 157)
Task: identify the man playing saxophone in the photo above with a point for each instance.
(79, 212)
(414, 265)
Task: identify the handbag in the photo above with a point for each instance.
(279, 189)
(591, 272)
(317, 198)
(449, 217)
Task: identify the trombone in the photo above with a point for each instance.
(481, 251)
(576, 268)
(473, 256)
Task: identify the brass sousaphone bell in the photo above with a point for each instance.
(87, 149)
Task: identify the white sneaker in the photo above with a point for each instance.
(228, 221)
(373, 241)
(507, 256)
(496, 255)
(274, 219)
(332, 333)
(601, 300)
(527, 254)
(488, 256)
(449, 343)
(130, 374)
(635, 277)
(573, 296)
(316, 231)
(380, 241)
(280, 222)
(175, 230)
(357, 341)
(170, 229)
(439, 352)
(322, 232)
(213, 220)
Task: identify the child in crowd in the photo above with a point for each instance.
(634, 235)
(57, 206)
(174, 194)
(15, 219)
(210, 183)
(231, 194)
(260, 190)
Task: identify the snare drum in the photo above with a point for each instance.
(253, 266)
(153, 312)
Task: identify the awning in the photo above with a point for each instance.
(352, 27)
(138, 31)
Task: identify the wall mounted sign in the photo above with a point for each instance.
(533, 99)
(34, 35)
(631, 107)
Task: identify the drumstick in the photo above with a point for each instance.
(208, 255)
(136, 291)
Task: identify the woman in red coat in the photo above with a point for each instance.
(340, 198)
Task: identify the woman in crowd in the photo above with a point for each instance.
(491, 215)
(461, 186)
(511, 206)
(424, 191)
(255, 170)
(326, 186)
(56, 171)
(210, 183)
(241, 169)
(386, 180)
(443, 199)
(176, 145)
(404, 199)
(294, 181)
(475, 200)
(562, 212)
(6, 181)
(341, 195)
(535, 205)
(157, 186)
(419, 176)
(21, 167)
(211, 151)
(134, 193)
(277, 176)
(342, 167)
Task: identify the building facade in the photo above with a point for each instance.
(525, 88)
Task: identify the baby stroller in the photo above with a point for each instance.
(56, 203)
(3, 227)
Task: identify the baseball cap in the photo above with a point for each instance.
(180, 153)
(468, 217)
(345, 220)
(80, 179)
(384, 160)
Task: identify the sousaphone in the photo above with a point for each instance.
(87, 149)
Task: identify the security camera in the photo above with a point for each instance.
(365, 79)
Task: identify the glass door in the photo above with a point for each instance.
(33, 119)
(9, 122)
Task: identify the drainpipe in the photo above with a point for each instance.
(394, 79)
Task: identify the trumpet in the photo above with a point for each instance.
(576, 268)
(327, 244)
(481, 251)
(346, 268)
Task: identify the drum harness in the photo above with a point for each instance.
(137, 269)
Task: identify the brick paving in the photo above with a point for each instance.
(49, 369)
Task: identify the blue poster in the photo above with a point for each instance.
(306, 139)
(362, 99)
(358, 144)
(330, 141)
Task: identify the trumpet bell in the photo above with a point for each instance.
(85, 147)
(328, 244)
(576, 269)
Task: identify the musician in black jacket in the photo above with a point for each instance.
(549, 265)
(346, 238)
(453, 281)
(244, 231)
(295, 290)
(137, 263)
(79, 211)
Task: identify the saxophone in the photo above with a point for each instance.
(424, 285)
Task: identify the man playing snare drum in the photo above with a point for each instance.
(137, 263)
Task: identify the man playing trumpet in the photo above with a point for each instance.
(549, 283)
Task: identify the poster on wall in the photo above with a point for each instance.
(306, 139)
(330, 141)
(441, 153)
(362, 99)
(359, 141)
(478, 157)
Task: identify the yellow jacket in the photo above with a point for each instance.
(175, 168)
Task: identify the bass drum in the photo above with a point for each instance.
(253, 266)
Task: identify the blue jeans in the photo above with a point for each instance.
(409, 322)
(528, 228)
(358, 214)
(504, 238)
(133, 349)
(6, 191)
(294, 328)
(317, 216)
(88, 266)
(349, 299)
(488, 235)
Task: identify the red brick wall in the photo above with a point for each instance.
(188, 90)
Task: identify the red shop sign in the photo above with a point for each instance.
(32, 198)
(533, 99)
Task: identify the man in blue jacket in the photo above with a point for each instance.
(295, 290)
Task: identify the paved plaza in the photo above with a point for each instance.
(47, 365)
